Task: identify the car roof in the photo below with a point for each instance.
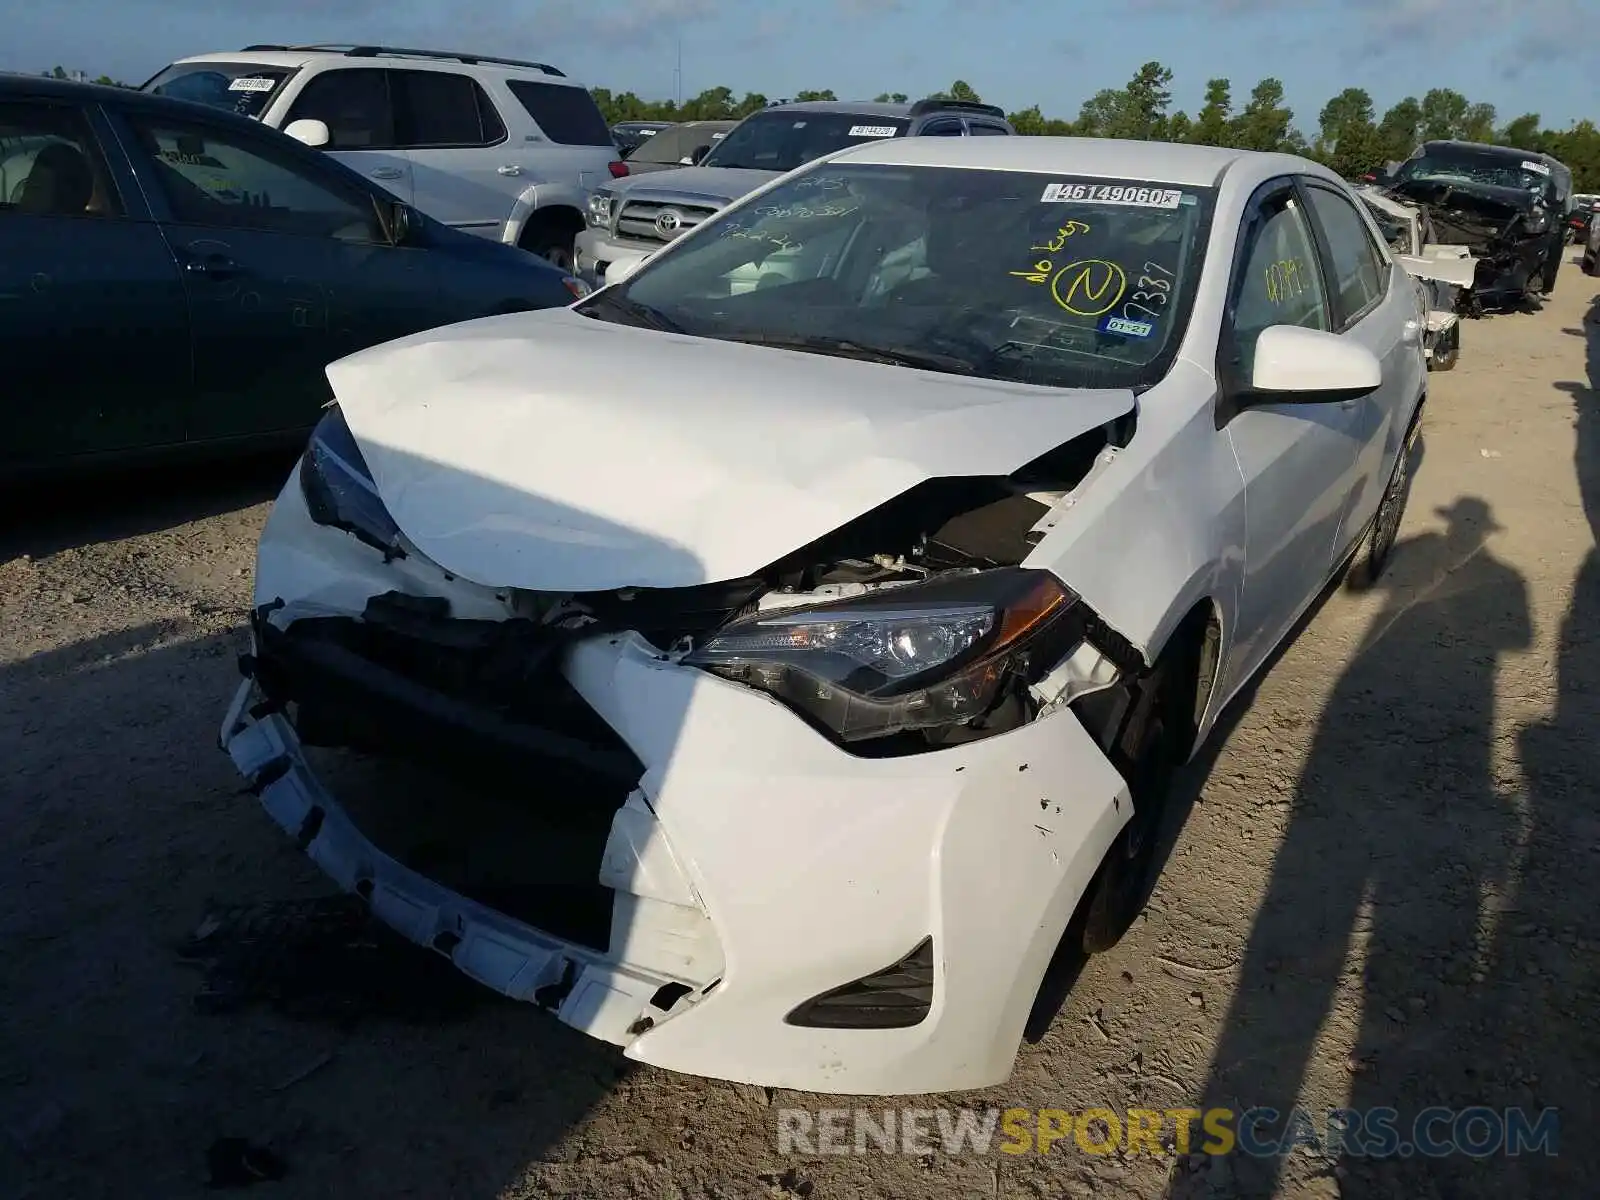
(865, 108)
(1491, 148)
(290, 57)
(1107, 158)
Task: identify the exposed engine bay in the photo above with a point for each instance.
(1507, 235)
(1444, 272)
(955, 541)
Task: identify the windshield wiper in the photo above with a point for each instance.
(644, 314)
(846, 348)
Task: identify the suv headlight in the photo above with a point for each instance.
(338, 487)
(600, 206)
(1538, 220)
(913, 657)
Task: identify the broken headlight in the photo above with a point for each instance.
(916, 657)
(338, 487)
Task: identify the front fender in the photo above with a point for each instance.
(537, 196)
(1162, 528)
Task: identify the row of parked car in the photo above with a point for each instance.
(246, 217)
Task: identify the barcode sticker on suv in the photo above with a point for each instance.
(873, 131)
(1113, 193)
(252, 83)
(1536, 166)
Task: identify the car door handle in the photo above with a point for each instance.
(213, 266)
(509, 169)
(388, 173)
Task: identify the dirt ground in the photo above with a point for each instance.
(1386, 893)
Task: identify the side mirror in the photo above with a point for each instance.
(402, 223)
(1307, 366)
(618, 271)
(315, 134)
(698, 153)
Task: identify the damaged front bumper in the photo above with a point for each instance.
(781, 912)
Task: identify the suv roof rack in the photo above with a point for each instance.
(933, 105)
(351, 50)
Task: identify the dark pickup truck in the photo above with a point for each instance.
(1508, 206)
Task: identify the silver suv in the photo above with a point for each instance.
(632, 218)
(499, 147)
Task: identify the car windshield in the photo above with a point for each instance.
(1045, 279)
(1470, 166)
(243, 88)
(783, 139)
(672, 145)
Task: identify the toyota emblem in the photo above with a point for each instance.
(668, 223)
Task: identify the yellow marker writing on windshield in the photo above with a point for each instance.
(1055, 244)
(1090, 287)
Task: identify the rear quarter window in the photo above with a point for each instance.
(566, 115)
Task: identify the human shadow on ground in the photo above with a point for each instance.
(1436, 909)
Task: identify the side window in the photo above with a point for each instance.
(978, 130)
(1277, 281)
(50, 165)
(442, 108)
(566, 115)
(353, 103)
(225, 181)
(1356, 271)
(949, 127)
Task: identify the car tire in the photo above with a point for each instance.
(1552, 268)
(553, 243)
(1378, 546)
(1154, 741)
(1447, 350)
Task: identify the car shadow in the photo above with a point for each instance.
(139, 860)
(41, 518)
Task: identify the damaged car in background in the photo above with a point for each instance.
(1508, 207)
(782, 720)
(1444, 273)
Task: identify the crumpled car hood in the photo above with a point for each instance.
(713, 185)
(507, 454)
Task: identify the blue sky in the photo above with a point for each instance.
(1520, 55)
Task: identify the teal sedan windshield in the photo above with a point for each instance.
(1059, 280)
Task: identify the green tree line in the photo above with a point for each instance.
(1350, 136)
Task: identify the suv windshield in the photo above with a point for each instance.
(672, 145)
(1042, 279)
(783, 139)
(1461, 165)
(243, 88)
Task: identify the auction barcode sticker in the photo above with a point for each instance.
(1112, 193)
(252, 83)
(1536, 166)
(872, 131)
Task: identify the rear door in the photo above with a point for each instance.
(456, 142)
(564, 138)
(357, 106)
(1375, 303)
(94, 328)
(287, 267)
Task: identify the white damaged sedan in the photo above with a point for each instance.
(768, 662)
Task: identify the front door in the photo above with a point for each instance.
(1297, 460)
(287, 265)
(356, 105)
(94, 328)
